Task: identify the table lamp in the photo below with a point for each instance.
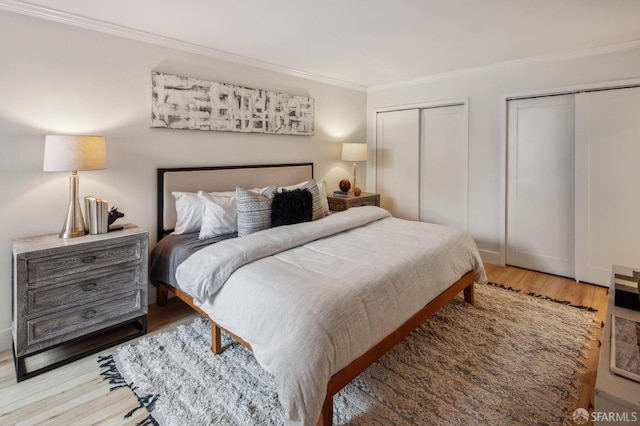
(73, 153)
(354, 152)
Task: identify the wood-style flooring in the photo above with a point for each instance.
(76, 394)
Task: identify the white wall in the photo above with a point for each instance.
(59, 79)
(487, 90)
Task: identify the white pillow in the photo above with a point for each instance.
(219, 214)
(189, 211)
(318, 206)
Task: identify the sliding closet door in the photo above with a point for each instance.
(607, 183)
(397, 162)
(444, 166)
(540, 185)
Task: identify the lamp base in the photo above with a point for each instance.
(354, 177)
(73, 233)
(74, 223)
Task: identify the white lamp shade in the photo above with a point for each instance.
(72, 153)
(354, 152)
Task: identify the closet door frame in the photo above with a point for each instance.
(372, 159)
(500, 258)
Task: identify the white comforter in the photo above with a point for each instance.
(310, 298)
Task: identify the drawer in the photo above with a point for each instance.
(83, 289)
(81, 260)
(84, 319)
(369, 201)
(337, 206)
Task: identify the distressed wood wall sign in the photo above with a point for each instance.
(189, 103)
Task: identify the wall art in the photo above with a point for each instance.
(189, 103)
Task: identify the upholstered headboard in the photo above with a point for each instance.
(223, 178)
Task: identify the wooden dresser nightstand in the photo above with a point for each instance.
(69, 290)
(339, 203)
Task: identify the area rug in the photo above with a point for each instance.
(509, 359)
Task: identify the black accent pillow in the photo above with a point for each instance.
(289, 207)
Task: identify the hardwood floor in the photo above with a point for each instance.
(76, 394)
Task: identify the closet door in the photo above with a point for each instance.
(444, 166)
(397, 162)
(607, 183)
(540, 185)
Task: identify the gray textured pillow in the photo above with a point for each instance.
(254, 209)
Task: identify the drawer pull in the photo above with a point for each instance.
(89, 286)
(89, 314)
(89, 259)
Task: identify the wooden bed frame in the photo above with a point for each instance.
(343, 377)
(357, 366)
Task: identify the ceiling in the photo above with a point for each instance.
(369, 43)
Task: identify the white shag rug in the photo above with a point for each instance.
(509, 359)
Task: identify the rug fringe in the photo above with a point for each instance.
(110, 372)
(539, 296)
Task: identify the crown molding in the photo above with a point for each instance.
(555, 57)
(41, 12)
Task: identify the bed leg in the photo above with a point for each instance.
(326, 417)
(469, 294)
(162, 294)
(216, 340)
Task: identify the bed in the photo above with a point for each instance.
(317, 302)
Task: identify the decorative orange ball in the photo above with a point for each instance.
(344, 185)
(357, 191)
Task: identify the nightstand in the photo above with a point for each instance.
(77, 296)
(339, 203)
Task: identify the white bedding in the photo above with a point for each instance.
(310, 298)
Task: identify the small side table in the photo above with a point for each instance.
(339, 203)
(614, 393)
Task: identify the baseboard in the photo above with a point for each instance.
(492, 257)
(5, 339)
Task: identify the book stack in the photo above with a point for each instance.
(627, 290)
(96, 215)
(342, 194)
